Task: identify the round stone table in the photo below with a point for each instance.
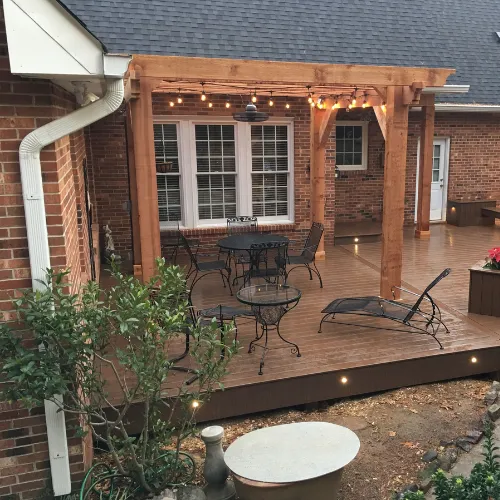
(292, 461)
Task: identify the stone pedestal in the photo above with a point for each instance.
(216, 472)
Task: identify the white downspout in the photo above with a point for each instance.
(38, 242)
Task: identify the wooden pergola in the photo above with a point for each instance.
(389, 90)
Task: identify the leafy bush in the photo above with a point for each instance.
(483, 483)
(105, 353)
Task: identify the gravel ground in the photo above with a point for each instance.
(395, 429)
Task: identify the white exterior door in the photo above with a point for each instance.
(439, 180)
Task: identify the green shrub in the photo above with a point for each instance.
(482, 484)
(120, 338)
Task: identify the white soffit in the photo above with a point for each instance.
(44, 38)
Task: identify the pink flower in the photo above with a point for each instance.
(494, 254)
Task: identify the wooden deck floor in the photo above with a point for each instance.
(371, 360)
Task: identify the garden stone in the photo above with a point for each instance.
(474, 436)
(464, 444)
(429, 456)
(448, 459)
(490, 397)
(190, 493)
(487, 421)
(494, 412)
(425, 475)
(445, 443)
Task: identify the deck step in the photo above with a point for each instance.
(348, 233)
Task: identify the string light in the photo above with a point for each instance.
(354, 100)
(365, 103)
(210, 105)
(271, 102)
(179, 97)
(172, 104)
(254, 97)
(203, 95)
(228, 104)
(287, 105)
(384, 109)
(312, 103)
(320, 103)
(336, 105)
(309, 95)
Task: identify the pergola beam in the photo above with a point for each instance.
(425, 170)
(199, 69)
(394, 192)
(326, 127)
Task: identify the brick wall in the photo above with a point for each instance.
(107, 148)
(24, 106)
(473, 169)
(108, 170)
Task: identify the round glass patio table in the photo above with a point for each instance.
(269, 303)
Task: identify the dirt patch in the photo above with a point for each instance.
(395, 429)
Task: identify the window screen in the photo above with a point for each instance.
(270, 170)
(349, 145)
(167, 172)
(216, 171)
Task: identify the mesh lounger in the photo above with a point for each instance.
(411, 318)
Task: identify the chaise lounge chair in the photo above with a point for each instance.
(411, 318)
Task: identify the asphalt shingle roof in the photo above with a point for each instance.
(435, 33)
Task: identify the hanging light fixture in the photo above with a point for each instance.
(287, 105)
(310, 99)
(172, 104)
(271, 102)
(203, 95)
(179, 97)
(365, 101)
(254, 97)
(251, 115)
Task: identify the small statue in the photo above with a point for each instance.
(109, 246)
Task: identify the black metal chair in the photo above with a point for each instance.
(172, 243)
(412, 317)
(307, 257)
(236, 225)
(268, 261)
(196, 267)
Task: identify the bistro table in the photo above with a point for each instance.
(243, 242)
(291, 461)
(269, 303)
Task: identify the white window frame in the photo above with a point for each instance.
(364, 137)
(186, 144)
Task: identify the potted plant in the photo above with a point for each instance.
(493, 259)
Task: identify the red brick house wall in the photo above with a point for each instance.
(24, 106)
(107, 146)
(473, 169)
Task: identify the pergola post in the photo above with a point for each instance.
(425, 169)
(322, 123)
(145, 173)
(394, 190)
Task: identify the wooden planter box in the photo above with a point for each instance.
(468, 213)
(484, 291)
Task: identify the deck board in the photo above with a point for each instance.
(387, 359)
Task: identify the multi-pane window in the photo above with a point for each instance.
(216, 171)
(167, 172)
(270, 167)
(350, 146)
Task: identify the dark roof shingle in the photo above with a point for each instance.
(434, 33)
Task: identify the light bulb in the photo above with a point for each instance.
(309, 98)
(203, 96)
(364, 105)
(179, 99)
(344, 380)
(320, 105)
(287, 106)
(210, 104)
(312, 103)
(473, 359)
(353, 102)
(351, 106)
(195, 404)
(383, 107)
(228, 104)
(172, 104)
(254, 97)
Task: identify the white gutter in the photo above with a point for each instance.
(38, 242)
(447, 89)
(469, 108)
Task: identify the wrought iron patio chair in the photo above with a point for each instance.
(412, 318)
(268, 261)
(205, 268)
(172, 243)
(308, 255)
(237, 225)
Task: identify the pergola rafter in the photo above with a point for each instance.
(390, 90)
